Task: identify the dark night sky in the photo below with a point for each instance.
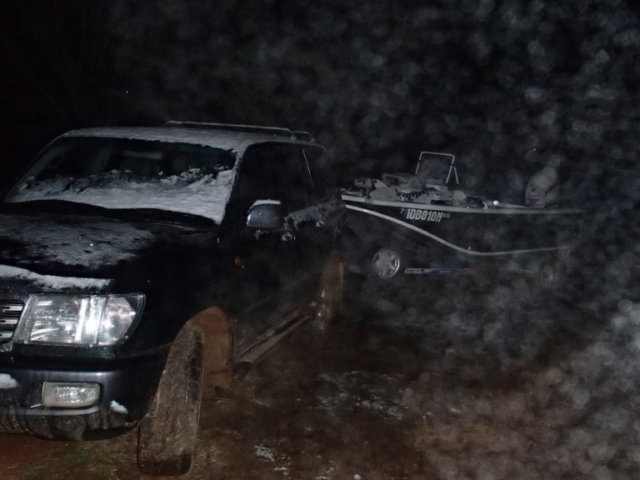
(505, 85)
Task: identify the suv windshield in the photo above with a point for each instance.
(131, 174)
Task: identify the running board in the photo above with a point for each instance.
(267, 341)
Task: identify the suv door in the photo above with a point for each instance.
(328, 214)
(274, 277)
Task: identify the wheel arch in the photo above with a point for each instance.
(217, 333)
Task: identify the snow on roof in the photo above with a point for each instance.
(51, 281)
(225, 139)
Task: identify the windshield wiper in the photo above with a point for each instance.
(161, 215)
(76, 208)
(46, 205)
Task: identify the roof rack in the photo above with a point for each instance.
(275, 131)
(304, 136)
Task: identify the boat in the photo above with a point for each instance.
(425, 223)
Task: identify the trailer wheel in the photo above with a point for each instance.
(169, 431)
(553, 273)
(548, 276)
(386, 263)
(381, 297)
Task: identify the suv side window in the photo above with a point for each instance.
(321, 171)
(295, 187)
(273, 172)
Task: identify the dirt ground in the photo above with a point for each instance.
(432, 388)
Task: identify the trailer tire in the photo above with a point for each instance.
(386, 263)
(384, 269)
(380, 297)
(168, 433)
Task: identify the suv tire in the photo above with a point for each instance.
(169, 431)
(330, 297)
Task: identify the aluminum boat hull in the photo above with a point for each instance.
(452, 239)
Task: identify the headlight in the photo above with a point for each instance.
(90, 320)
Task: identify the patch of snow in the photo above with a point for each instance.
(395, 412)
(383, 407)
(192, 193)
(7, 382)
(51, 281)
(271, 456)
(327, 474)
(116, 407)
(284, 470)
(363, 390)
(316, 214)
(264, 452)
(98, 243)
(266, 202)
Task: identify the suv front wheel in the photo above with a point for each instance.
(169, 431)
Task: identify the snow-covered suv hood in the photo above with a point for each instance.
(71, 241)
(74, 251)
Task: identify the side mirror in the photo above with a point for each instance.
(265, 215)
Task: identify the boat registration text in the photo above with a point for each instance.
(423, 215)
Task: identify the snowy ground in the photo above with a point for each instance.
(489, 385)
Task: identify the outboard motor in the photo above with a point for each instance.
(543, 188)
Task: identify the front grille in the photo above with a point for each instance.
(10, 311)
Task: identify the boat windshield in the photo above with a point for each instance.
(437, 168)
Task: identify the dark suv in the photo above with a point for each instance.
(139, 266)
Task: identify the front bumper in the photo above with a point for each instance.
(125, 395)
